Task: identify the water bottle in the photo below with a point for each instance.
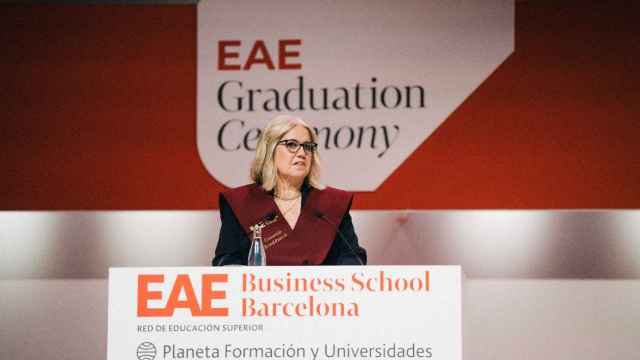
(257, 255)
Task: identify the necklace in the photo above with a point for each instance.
(286, 210)
(287, 199)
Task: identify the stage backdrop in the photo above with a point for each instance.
(375, 79)
(101, 110)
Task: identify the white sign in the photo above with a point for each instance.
(375, 78)
(373, 312)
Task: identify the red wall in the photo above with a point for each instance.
(99, 112)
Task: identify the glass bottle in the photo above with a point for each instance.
(257, 255)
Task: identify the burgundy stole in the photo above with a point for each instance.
(309, 242)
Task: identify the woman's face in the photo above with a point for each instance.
(293, 164)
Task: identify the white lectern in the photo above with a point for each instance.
(348, 312)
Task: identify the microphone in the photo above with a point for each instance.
(267, 219)
(324, 217)
(270, 216)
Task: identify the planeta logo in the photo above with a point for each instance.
(146, 351)
(375, 84)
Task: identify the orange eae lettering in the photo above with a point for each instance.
(182, 284)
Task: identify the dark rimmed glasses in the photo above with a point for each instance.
(293, 146)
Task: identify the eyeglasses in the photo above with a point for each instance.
(293, 146)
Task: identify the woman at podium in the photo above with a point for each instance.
(302, 221)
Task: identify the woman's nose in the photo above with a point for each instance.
(301, 153)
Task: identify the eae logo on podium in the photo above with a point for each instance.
(375, 78)
(291, 296)
(311, 312)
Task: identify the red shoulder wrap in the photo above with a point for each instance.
(250, 204)
(311, 239)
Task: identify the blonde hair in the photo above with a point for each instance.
(263, 168)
